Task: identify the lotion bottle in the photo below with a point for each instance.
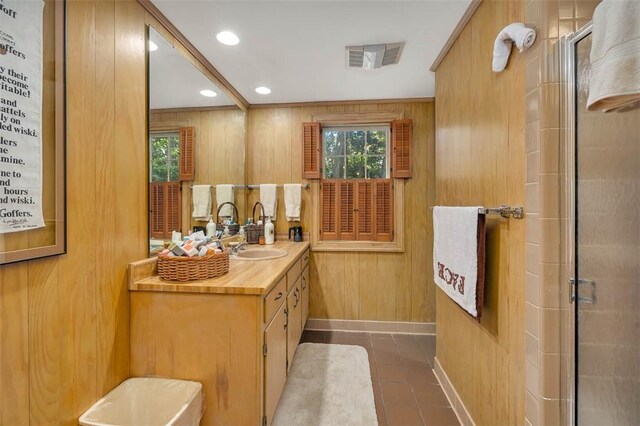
(211, 228)
(269, 232)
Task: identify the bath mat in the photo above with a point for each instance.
(328, 385)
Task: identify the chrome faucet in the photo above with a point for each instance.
(235, 249)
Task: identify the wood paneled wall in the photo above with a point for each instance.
(220, 144)
(64, 321)
(355, 286)
(480, 154)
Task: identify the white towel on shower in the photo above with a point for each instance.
(292, 201)
(615, 56)
(269, 199)
(517, 33)
(201, 195)
(224, 194)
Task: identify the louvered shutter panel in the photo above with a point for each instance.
(165, 208)
(187, 164)
(328, 210)
(156, 209)
(311, 151)
(383, 199)
(365, 212)
(346, 197)
(402, 148)
(174, 207)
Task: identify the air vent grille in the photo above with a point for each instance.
(373, 56)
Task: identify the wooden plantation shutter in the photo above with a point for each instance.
(165, 207)
(187, 164)
(346, 207)
(311, 151)
(356, 209)
(401, 148)
(328, 210)
(365, 210)
(157, 211)
(383, 199)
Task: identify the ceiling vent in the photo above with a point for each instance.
(372, 56)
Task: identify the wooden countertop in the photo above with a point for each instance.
(255, 277)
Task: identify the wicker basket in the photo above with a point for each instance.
(253, 232)
(233, 229)
(181, 268)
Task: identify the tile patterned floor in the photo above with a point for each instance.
(405, 389)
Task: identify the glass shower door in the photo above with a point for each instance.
(606, 264)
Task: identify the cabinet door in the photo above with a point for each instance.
(304, 288)
(275, 362)
(294, 321)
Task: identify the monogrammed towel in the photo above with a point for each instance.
(458, 255)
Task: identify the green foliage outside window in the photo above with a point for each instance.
(356, 153)
(165, 154)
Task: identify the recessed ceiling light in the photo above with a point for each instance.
(208, 93)
(152, 46)
(228, 38)
(263, 90)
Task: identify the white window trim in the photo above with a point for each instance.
(395, 246)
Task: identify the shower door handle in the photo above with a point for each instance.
(581, 283)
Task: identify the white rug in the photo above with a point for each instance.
(328, 385)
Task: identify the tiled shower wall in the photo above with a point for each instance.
(545, 399)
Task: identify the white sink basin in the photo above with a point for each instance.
(259, 254)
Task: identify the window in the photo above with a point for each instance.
(164, 152)
(360, 167)
(356, 152)
(171, 160)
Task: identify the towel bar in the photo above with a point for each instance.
(258, 186)
(234, 186)
(504, 211)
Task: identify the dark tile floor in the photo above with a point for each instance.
(405, 389)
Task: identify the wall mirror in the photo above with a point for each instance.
(196, 137)
(32, 123)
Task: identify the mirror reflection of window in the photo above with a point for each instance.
(164, 157)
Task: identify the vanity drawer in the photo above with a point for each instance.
(305, 259)
(293, 274)
(274, 299)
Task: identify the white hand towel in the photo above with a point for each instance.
(517, 33)
(615, 56)
(269, 199)
(201, 195)
(292, 201)
(224, 193)
(458, 255)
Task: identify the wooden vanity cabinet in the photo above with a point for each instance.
(225, 333)
(275, 362)
(294, 322)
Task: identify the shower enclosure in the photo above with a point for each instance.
(601, 292)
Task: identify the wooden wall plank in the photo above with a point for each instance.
(480, 161)
(64, 321)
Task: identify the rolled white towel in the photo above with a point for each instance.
(517, 33)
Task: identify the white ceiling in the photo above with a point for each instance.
(174, 82)
(296, 47)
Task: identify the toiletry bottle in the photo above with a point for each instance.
(211, 228)
(269, 232)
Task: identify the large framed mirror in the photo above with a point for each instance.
(32, 129)
(196, 141)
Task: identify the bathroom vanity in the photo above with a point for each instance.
(235, 334)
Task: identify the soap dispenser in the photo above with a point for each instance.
(211, 228)
(269, 232)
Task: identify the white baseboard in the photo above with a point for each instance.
(454, 399)
(371, 326)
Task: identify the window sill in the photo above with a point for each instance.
(358, 246)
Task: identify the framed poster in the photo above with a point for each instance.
(32, 129)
